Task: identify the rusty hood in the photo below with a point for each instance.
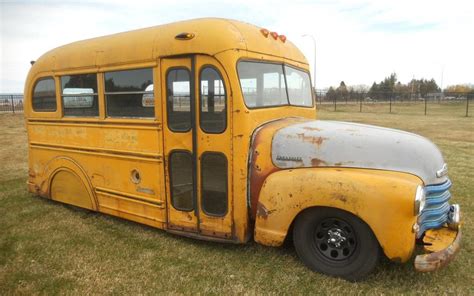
(342, 144)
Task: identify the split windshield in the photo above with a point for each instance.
(270, 84)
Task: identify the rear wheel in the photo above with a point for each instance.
(336, 243)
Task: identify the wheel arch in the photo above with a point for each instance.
(381, 199)
(69, 171)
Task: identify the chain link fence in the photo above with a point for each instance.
(447, 103)
(11, 103)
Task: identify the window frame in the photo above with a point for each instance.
(50, 111)
(203, 67)
(283, 64)
(202, 183)
(192, 124)
(105, 93)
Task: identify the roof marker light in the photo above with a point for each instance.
(282, 38)
(274, 35)
(265, 32)
(184, 36)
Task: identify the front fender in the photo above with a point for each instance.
(382, 199)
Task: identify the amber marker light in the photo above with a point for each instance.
(274, 35)
(184, 36)
(282, 38)
(265, 32)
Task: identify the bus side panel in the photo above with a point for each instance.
(122, 166)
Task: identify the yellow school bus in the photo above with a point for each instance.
(207, 128)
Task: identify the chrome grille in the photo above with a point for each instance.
(436, 211)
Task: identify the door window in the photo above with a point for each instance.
(182, 188)
(214, 183)
(178, 90)
(212, 101)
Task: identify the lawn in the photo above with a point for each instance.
(50, 248)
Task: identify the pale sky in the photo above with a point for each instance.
(357, 41)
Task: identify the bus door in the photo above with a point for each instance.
(197, 144)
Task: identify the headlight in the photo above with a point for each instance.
(420, 200)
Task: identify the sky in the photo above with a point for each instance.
(357, 42)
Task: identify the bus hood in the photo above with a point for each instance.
(342, 144)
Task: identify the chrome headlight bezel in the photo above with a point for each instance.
(420, 199)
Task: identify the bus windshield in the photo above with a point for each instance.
(271, 84)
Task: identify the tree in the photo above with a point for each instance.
(459, 88)
(331, 94)
(342, 91)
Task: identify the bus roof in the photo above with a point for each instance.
(212, 36)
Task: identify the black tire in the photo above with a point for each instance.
(336, 243)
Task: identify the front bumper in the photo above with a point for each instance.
(444, 244)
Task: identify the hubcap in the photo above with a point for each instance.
(335, 239)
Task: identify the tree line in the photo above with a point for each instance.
(391, 88)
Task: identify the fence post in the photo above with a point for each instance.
(467, 105)
(335, 102)
(13, 105)
(425, 105)
(390, 104)
(360, 102)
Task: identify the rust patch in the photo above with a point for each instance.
(339, 196)
(317, 162)
(318, 141)
(215, 233)
(343, 163)
(263, 212)
(308, 128)
(437, 260)
(189, 217)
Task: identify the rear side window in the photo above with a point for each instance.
(79, 95)
(130, 93)
(44, 95)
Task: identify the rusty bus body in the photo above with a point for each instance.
(206, 128)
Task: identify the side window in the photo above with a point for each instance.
(79, 95)
(44, 95)
(214, 183)
(299, 87)
(213, 116)
(262, 84)
(178, 93)
(129, 93)
(181, 172)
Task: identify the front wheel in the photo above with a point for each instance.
(336, 243)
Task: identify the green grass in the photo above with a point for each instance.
(50, 248)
